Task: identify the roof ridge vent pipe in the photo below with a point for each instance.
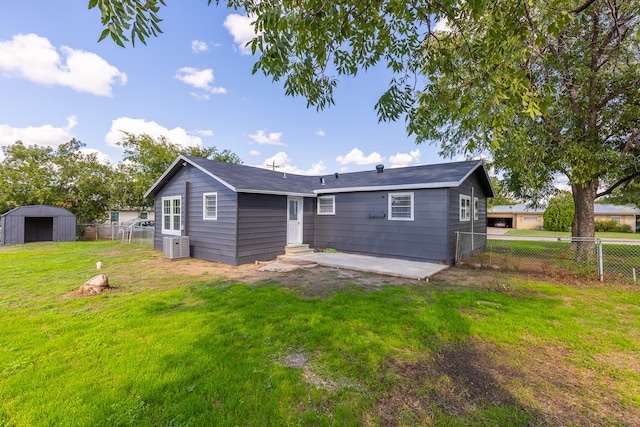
(380, 168)
(322, 180)
(336, 175)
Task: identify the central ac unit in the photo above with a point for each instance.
(175, 247)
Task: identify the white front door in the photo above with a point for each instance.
(294, 221)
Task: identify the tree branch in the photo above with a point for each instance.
(618, 184)
(583, 6)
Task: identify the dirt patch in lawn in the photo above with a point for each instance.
(541, 386)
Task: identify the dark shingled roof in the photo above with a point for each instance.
(248, 179)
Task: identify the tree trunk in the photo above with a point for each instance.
(584, 196)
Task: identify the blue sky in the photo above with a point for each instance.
(193, 84)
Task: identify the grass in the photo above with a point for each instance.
(175, 349)
(601, 235)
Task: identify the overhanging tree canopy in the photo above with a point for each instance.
(547, 87)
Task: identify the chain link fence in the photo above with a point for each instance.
(141, 236)
(611, 260)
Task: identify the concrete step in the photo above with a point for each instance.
(297, 250)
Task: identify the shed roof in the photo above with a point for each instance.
(38, 211)
(248, 179)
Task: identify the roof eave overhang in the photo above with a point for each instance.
(276, 193)
(397, 187)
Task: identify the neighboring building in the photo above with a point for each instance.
(623, 215)
(128, 216)
(523, 217)
(39, 223)
(239, 214)
(519, 217)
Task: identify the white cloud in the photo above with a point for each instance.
(198, 46)
(254, 153)
(44, 135)
(242, 29)
(200, 79)
(204, 132)
(399, 160)
(102, 158)
(283, 164)
(273, 138)
(442, 26)
(320, 132)
(357, 157)
(34, 58)
(176, 135)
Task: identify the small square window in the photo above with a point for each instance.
(114, 217)
(143, 215)
(210, 206)
(326, 205)
(401, 206)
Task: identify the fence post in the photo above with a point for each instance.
(600, 264)
(457, 245)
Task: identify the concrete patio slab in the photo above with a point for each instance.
(390, 266)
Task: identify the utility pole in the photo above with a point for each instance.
(273, 165)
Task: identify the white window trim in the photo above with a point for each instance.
(333, 205)
(464, 214)
(204, 207)
(390, 197)
(171, 231)
(476, 204)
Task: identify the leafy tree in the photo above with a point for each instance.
(560, 213)
(145, 159)
(548, 87)
(66, 177)
(503, 196)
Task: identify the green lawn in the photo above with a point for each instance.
(169, 346)
(607, 235)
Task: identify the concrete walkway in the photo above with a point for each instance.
(389, 266)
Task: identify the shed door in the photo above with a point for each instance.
(294, 221)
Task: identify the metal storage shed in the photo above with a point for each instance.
(38, 223)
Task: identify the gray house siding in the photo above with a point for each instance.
(309, 221)
(361, 224)
(213, 240)
(262, 227)
(38, 224)
(479, 225)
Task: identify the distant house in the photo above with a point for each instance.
(39, 223)
(519, 217)
(127, 216)
(523, 217)
(239, 214)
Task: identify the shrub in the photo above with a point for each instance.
(559, 214)
(612, 226)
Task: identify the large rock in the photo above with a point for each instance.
(95, 286)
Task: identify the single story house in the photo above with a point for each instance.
(239, 214)
(524, 217)
(128, 216)
(519, 217)
(38, 223)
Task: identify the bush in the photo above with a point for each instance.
(559, 214)
(612, 226)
